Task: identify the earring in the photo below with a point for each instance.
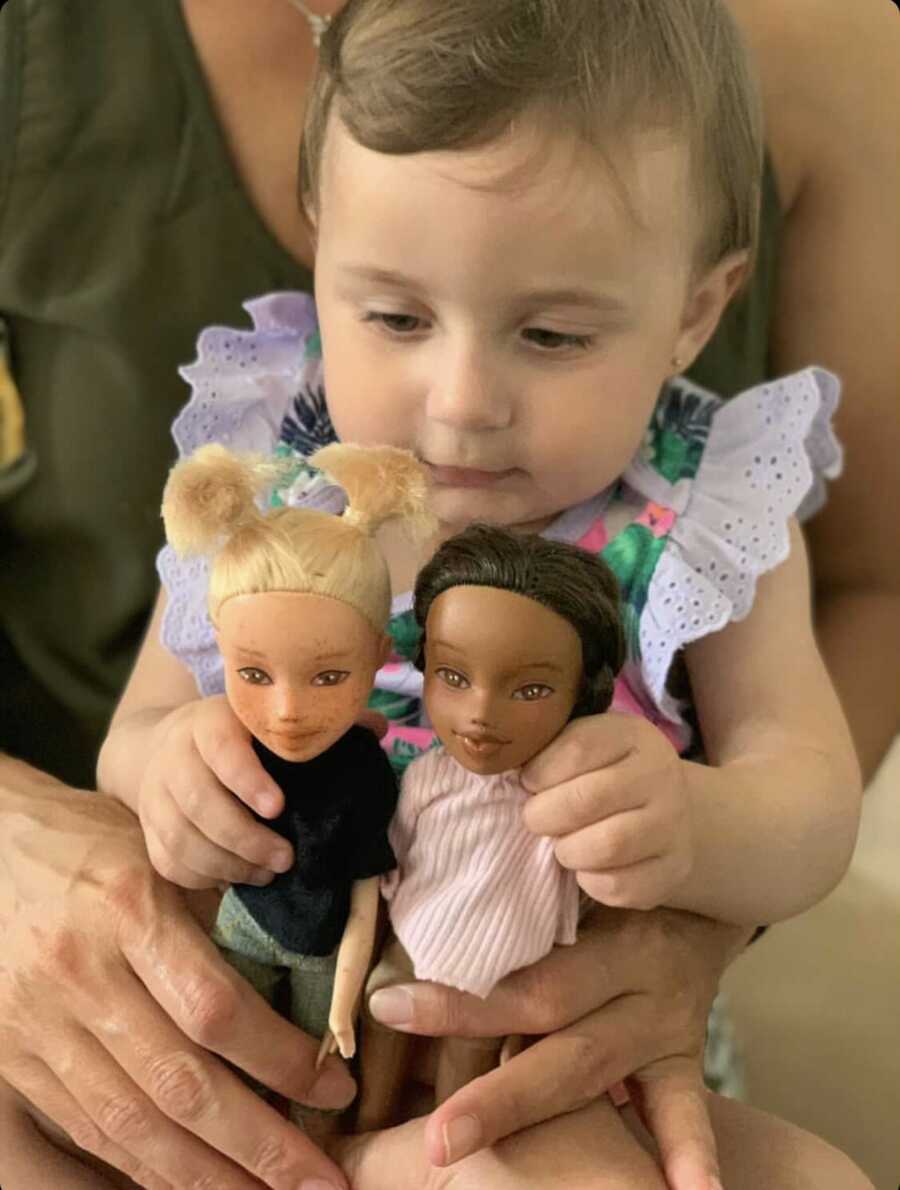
(677, 363)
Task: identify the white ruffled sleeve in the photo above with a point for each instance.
(767, 457)
(243, 383)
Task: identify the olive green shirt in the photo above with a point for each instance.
(124, 230)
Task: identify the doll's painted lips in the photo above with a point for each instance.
(466, 477)
(481, 745)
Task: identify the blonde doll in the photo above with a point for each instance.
(299, 599)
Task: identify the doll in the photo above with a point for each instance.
(300, 599)
(520, 635)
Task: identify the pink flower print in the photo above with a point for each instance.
(657, 518)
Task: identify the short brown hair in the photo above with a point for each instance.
(575, 584)
(412, 76)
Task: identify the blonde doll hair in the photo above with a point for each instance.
(210, 508)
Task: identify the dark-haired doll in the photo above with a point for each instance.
(520, 635)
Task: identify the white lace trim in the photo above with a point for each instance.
(243, 382)
(769, 452)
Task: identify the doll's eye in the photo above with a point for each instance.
(533, 691)
(452, 678)
(254, 676)
(331, 677)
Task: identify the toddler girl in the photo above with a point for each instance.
(529, 218)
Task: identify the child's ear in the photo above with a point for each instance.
(706, 302)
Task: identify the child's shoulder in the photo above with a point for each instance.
(711, 494)
(775, 437)
(255, 388)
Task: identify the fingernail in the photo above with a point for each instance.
(281, 861)
(318, 1184)
(461, 1137)
(392, 1006)
(267, 803)
(260, 877)
(334, 1088)
(715, 1184)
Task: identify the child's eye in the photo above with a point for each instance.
(533, 691)
(452, 678)
(396, 324)
(551, 341)
(331, 677)
(254, 676)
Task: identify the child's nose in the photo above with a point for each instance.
(466, 393)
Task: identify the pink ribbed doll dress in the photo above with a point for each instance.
(475, 895)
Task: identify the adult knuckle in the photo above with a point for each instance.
(545, 1003)
(61, 956)
(87, 1135)
(124, 1119)
(181, 1087)
(272, 1162)
(446, 1013)
(209, 1181)
(210, 1006)
(585, 1067)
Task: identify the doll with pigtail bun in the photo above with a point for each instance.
(299, 599)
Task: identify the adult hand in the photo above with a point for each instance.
(594, 1148)
(111, 999)
(628, 1001)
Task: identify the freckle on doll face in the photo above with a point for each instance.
(298, 668)
(502, 675)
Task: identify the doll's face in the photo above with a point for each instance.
(298, 668)
(502, 675)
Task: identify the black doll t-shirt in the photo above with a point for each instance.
(336, 814)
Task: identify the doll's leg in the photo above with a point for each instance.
(385, 1053)
(312, 982)
(251, 952)
(246, 947)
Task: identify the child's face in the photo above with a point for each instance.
(513, 336)
(298, 668)
(502, 674)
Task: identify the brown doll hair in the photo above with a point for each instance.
(210, 508)
(575, 584)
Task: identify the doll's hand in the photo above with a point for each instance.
(610, 790)
(340, 1037)
(197, 832)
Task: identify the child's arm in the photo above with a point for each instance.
(181, 763)
(353, 960)
(763, 831)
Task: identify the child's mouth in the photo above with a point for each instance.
(466, 477)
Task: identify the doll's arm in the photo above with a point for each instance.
(354, 957)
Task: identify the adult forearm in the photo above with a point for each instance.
(773, 834)
(859, 636)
